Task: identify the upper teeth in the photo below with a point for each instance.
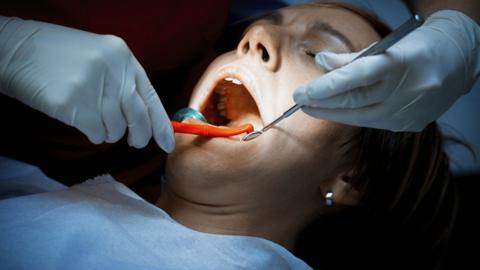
(233, 80)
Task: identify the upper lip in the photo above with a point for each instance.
(245, 77)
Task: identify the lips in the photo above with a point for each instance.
(230, 103)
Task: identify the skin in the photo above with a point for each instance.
(270, 187)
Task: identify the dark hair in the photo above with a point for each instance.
(408, 207)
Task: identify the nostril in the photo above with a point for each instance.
(265, 55)
(246, 47)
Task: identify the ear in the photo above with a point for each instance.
(343, 192)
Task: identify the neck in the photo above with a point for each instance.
(248, 219)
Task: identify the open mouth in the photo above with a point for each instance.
(230, 104)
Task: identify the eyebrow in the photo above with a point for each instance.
(318, 26)
(327, 28)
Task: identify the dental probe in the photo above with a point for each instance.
(378, 48)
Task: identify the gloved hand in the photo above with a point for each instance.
(406, 88)
(89, 81)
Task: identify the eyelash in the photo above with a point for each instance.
(309, 53)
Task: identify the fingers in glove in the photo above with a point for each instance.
(113, 120)
(355, 98)
(162, 129)
(365, 116)
(90, 124)
(330, 60)
(360, 73)
(138, 120)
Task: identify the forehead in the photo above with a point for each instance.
(354, 27)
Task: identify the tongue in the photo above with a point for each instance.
(239, 103)
(244, 118)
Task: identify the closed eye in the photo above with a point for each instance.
(309, 53)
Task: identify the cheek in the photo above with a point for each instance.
(299, 70)
(309, 145)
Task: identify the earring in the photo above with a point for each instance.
(329, 199)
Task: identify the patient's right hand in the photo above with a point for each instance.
(89, 81)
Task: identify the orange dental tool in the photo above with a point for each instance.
(208, 130)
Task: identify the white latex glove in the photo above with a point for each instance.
(406, 88)
(89, 81)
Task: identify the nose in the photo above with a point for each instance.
(262, 43)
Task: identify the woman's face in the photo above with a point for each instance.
(254, 84)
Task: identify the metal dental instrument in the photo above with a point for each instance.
(378, 48)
